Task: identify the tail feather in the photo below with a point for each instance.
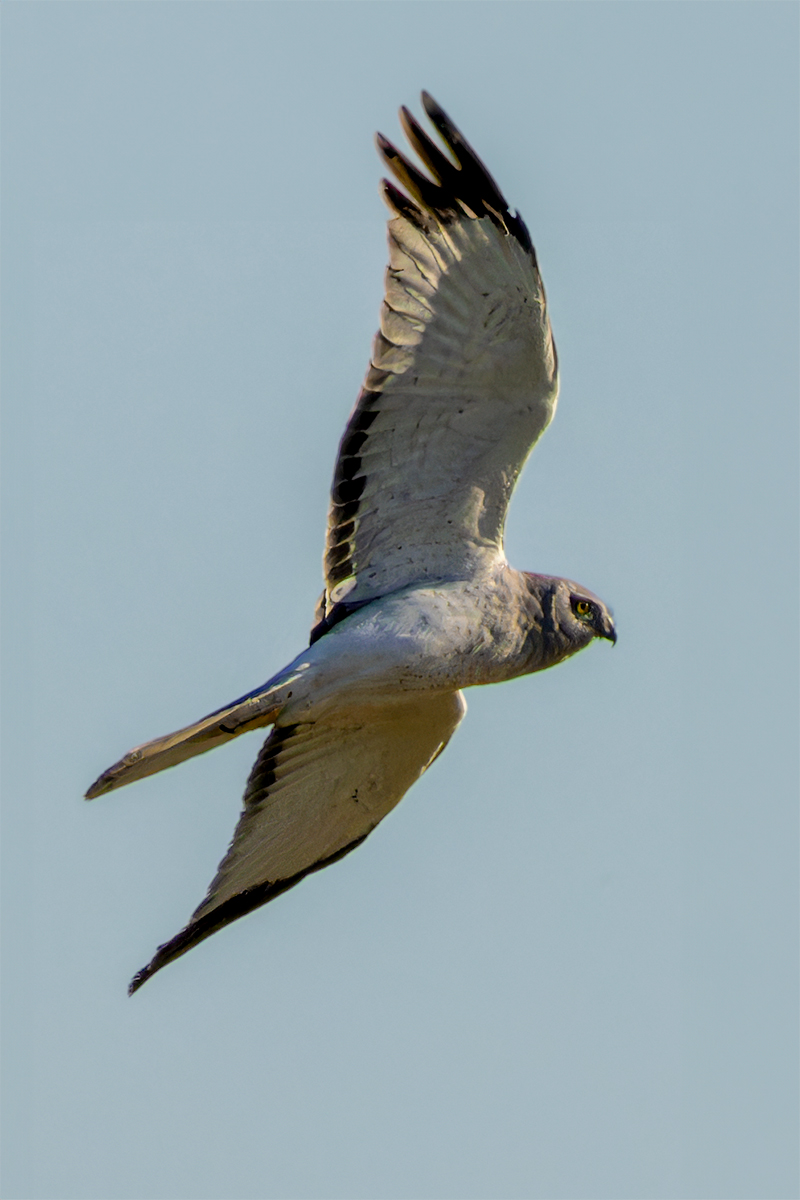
(257, 709)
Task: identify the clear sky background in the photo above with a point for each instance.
(566, 966)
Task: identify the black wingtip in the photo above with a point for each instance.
(163, 955)
(437, 115)
(202, 927)
(399, 202)
(461, 184)
(139, 978)
(428, 101)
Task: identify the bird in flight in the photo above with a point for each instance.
(419, 600)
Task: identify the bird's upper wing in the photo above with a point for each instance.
(462, 382)
(315, 793)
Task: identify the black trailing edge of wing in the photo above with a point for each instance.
(336, 614)
(231, 910)
(462, 188)
(348, 484)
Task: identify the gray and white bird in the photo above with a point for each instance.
(419, 600)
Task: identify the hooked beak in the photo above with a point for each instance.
(608, 631)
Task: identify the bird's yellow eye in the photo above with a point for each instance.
(583, 608)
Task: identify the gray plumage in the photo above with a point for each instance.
(419, 601)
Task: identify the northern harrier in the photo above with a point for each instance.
(419, 600)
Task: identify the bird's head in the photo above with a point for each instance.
(572, 616)
(582, 615)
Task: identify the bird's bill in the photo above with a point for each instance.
(608, 631)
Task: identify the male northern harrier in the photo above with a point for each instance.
(419, 601)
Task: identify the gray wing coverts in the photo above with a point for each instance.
(315, 793)
(462, 382)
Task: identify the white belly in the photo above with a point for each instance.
(438, 638)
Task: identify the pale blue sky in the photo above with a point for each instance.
(566, 966)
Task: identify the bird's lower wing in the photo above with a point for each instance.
(315, 793)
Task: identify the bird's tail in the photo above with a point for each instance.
(252, 711)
